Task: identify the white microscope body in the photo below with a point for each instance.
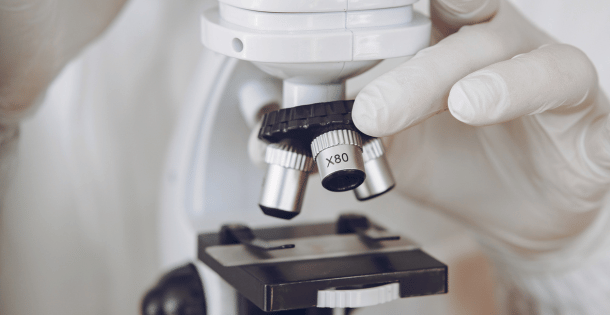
(262, 53)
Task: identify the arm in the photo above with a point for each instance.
(504, 129)
(37, 39)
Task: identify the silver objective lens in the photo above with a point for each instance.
(285, 181)
(338, 154)
(379, 179)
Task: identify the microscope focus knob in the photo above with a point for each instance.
(354, 298)
(179, 292)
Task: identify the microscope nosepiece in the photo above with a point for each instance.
(338, 154)
(285, 181)
(346, 158)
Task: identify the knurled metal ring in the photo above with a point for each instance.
(288, 156)
(372, 149)
(333, 138)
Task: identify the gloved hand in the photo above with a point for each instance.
(522, 157)
(37, 39)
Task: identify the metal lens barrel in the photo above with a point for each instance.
(286, 178)
(338, 154)
(379, 179)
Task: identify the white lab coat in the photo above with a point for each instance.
(78, 226)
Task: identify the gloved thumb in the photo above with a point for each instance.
(449, 15)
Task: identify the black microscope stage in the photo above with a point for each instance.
(284, 268)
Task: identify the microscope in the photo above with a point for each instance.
(280, 67)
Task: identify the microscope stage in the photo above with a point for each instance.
(321, 261)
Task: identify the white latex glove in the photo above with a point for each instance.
(37, 39)
(522, 157)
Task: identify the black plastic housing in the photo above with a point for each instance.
(179, 292)
(304, 123)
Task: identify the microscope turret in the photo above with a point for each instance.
(346, 158)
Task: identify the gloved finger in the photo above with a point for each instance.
(552, 76)
(257, 147)
(449, 15)
(419, 88)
